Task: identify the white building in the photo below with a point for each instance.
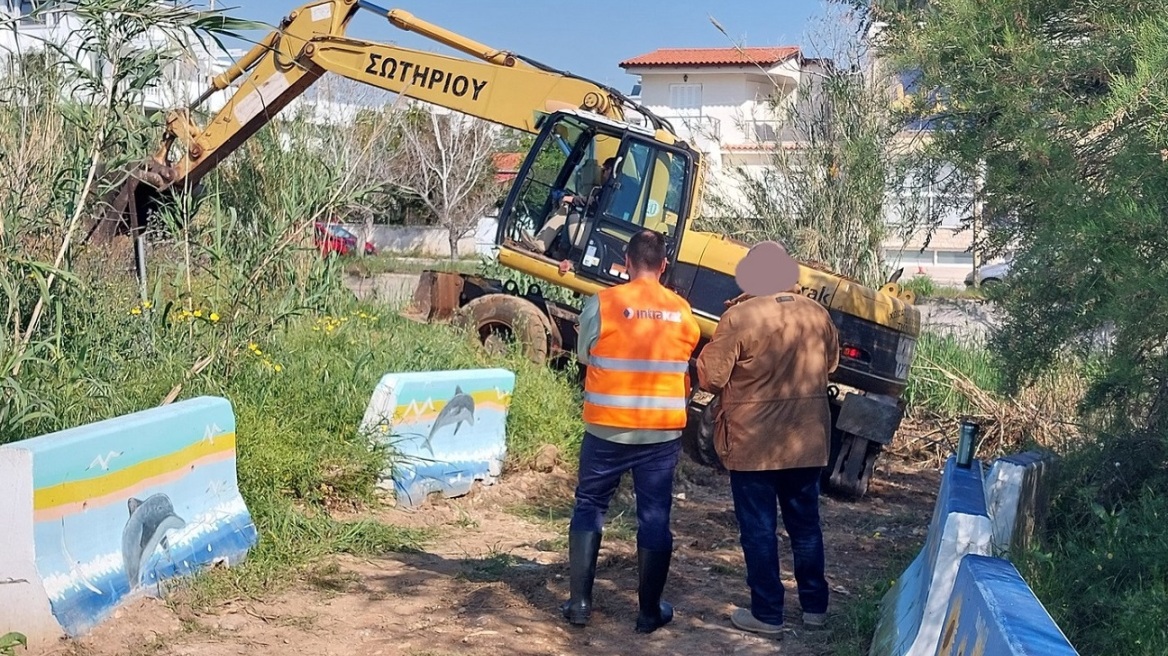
(729, 102)
(26, 26)
(726, 102)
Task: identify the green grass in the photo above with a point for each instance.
(931, 385)
(299, 394)
(1101, 565)
(925, 288)
(853, 627)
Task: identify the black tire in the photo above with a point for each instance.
(498, 319)
(697, 439)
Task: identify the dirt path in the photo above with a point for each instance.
(492, 579)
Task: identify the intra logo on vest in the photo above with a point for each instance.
(655, 315)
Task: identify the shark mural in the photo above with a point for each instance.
(445, 429)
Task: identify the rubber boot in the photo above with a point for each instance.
(653, 569)
(583, 548)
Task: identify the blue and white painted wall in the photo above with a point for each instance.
(110, 510)
(449, 429)
(913, 610)
(994, 613)
(957, 598)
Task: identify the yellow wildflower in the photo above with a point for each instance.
(253, 346)
(214, 316)
(279, 368)
(146, 305)
(136, 310)
(198, 313)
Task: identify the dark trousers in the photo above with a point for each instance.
(797, 494)
(602, 463)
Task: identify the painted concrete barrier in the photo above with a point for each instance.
(912, 612)
(1016, 498)
(110, 510)
(448, 427)
(993, 611)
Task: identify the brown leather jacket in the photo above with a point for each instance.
(769, 360)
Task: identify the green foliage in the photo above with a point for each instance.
(10, 641)
(831, 158)
(1102, 569)
(237, 304)
(1063, 106)
(1062, 103)
(923, 286)
(490, 268)
(931, 389)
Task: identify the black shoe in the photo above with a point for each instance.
(583, 547)
(653, 569)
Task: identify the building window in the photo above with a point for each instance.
(686, 99)
(954, 258)
(909, 258)
(944, 199)
(26, 9)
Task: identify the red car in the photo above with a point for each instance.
(332, 238)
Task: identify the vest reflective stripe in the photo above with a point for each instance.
(637, 368)
(646, 402)
(640, 366)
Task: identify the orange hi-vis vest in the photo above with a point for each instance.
(636, 374)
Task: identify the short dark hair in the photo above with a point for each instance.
(646, 250)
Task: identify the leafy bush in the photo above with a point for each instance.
(922, 285)
(1102, 567)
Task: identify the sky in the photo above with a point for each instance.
(586, 37)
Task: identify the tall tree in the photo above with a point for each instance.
(831, 162)
(1065, 104)
(446, 161)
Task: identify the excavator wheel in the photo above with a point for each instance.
(499, 319)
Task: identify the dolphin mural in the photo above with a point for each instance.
(460, 408)
(145, 532)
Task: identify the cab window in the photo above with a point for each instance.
(648, 188)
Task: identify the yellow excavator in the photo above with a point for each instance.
(592, 179)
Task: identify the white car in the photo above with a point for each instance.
(989, 274)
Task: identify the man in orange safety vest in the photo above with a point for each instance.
(636, 340)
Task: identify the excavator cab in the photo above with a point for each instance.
(560, 209)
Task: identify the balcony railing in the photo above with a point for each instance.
(693, 128)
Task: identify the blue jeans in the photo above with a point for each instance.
(797, 494)
(602, 463)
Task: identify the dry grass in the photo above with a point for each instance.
(1040, 416)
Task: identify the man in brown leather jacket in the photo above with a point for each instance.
(769, 360)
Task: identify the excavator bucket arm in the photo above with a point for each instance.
(500, 88)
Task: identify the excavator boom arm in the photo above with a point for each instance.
(500, 88)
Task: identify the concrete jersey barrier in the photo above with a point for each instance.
(912, 611)
(110, 510)
(448, 428)
(1016, 498)
(993, 611)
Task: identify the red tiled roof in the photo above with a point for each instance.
(712, 57)
(507, 166)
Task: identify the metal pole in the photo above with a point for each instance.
(140, 260)
(966, 444)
